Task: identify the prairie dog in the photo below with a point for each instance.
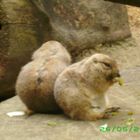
(80, 90)
(36, 79)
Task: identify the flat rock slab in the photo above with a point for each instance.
(59, 127)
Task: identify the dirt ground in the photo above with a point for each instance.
(134, 17)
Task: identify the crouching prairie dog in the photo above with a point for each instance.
(80, 90)
(36, 79)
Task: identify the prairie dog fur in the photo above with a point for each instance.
(80, 90)
(36, 79)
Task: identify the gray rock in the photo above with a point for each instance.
(84, 24)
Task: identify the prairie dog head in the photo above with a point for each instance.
(52, 49)
(101, 70)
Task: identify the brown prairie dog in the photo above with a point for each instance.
(80, 88)
(35, 82)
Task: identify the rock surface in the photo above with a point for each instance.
(83, 24)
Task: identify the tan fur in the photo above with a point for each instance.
(80, 88)
(35, 82)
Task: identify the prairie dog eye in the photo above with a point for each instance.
(107, 65)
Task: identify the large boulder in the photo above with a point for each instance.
(22, 30)
(84, 24)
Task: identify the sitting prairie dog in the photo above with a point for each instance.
(35, 82)
(80, 89)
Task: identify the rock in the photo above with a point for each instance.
(84, 24)
(22, 30)
(51, 127)
(79, 25)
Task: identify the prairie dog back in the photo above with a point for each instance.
(36, 79)
(52, 49)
